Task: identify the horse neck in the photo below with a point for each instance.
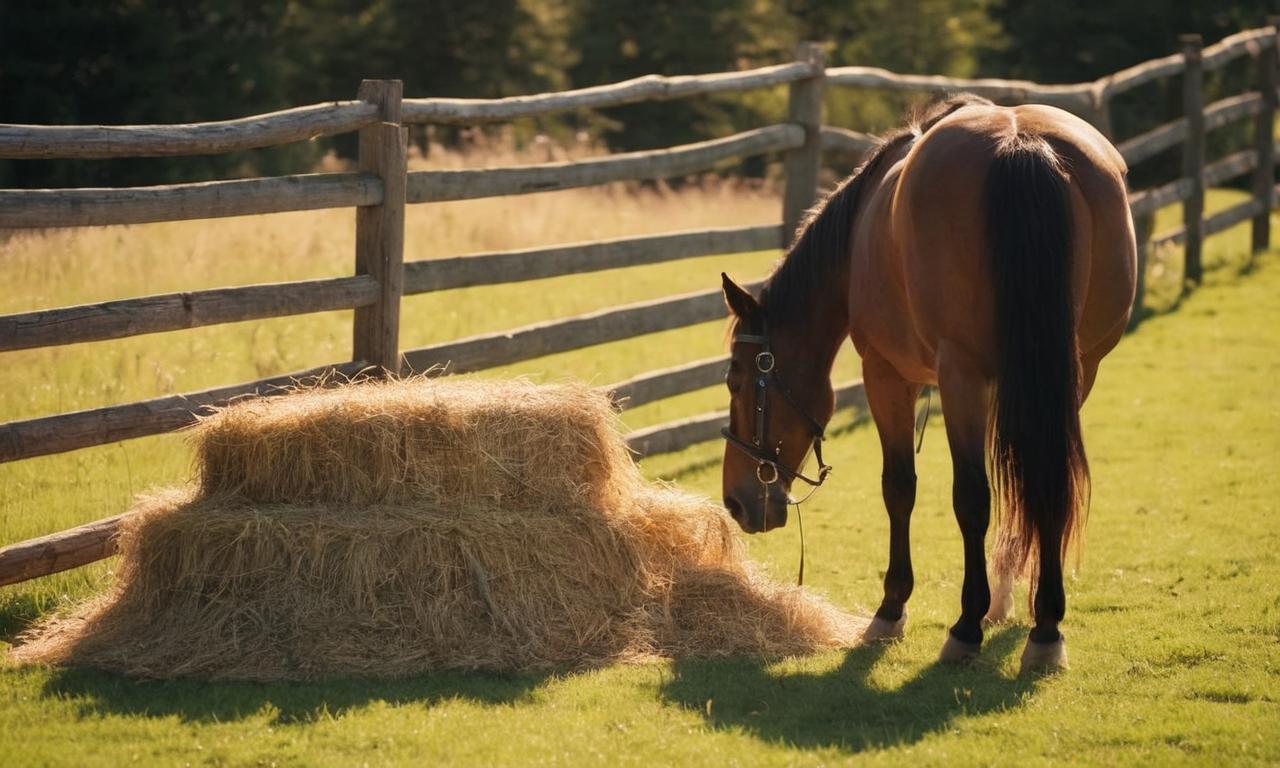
(819, 323)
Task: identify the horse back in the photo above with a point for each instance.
(925, 245)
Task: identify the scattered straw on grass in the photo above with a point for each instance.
(387, 529)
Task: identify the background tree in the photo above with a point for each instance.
(123, 61)
(139, 61)
(1057, 42)
(621, 39)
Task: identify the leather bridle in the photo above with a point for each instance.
(769, 466)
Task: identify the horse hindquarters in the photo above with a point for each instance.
(1040, 470)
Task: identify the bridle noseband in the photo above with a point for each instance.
(769, 467)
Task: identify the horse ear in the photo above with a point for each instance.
(739, 300)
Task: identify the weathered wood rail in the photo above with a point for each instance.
(555, 336)
(382, 187)
(98, 426)
(46, 142)
(438, 186)
(174, 311)
(647, 88)
(177, 202)
(578, 258)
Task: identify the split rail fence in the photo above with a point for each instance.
(382, 186)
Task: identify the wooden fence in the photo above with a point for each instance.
(382, 186)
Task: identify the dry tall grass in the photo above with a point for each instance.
(58, 267)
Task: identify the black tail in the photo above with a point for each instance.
(1039, 468)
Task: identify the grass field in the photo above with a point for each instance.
(1173, 620)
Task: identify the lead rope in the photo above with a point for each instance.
(822, 474)
(800, 522)
(922, 420)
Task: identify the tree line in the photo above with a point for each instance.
(147, 61)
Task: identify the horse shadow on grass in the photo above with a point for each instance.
(842, 709)
(839, 709)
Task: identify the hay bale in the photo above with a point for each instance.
(393, 528)
(424, 440)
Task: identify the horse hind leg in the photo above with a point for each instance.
(1046, 651)
(964, 406)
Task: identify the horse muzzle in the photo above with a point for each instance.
(757, 514)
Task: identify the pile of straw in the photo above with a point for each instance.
(385, 529)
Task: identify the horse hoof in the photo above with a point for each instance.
(1044, 658)
(958, 651)
(884, 631)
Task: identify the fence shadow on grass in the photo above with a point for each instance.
(840, 709)
(285, 702)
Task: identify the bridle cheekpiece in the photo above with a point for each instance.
(769, 466)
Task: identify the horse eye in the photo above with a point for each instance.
(734, 383)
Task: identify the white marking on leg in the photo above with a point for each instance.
(1001, 609)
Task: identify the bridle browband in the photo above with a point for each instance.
(769, 467)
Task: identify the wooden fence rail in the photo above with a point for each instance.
(98, 426)
(1216, 115)
(494, 349)
(1149, 201)
(45, 142)
(26, 208)
(1218, 222)
(438, 186)
(174, 311)
(383, 186)
(846, 141)
(579, 258)
(647, 88)
(1077, 97)
(668, 382)
(60, 551)
(677, 435)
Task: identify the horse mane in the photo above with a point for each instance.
(823, 237)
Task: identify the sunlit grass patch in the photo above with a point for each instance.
(1173, 620)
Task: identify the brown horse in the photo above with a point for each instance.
(984, 250)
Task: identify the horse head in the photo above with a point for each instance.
(780, 399)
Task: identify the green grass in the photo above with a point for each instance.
(1173, 620)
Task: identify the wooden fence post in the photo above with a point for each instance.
(1264, 175)
(801, 166)
(380, 229)
(1143, 226)
(1193, 153)
(1100, 114)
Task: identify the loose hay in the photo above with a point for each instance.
(392, 528)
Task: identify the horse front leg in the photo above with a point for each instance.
(892, 402)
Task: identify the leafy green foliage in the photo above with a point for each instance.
(619, 39)
(143, 61)
(1056, 42)
(128, 62)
